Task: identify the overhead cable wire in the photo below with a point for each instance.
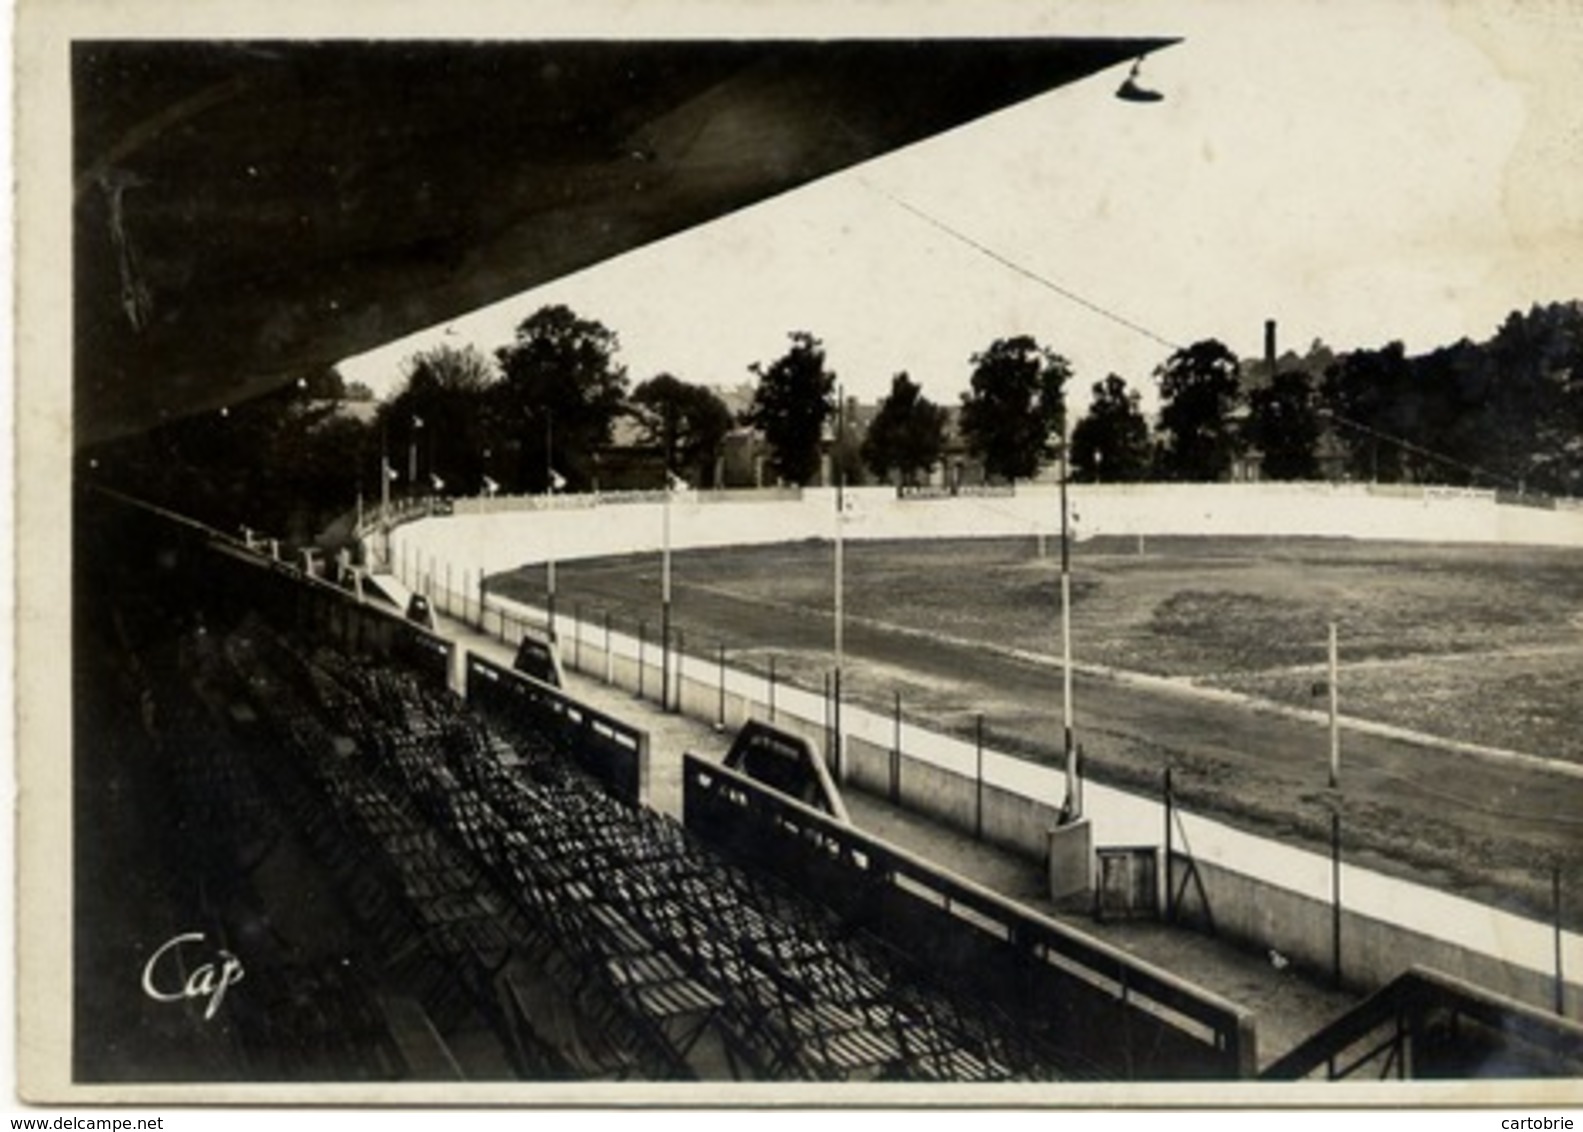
(1026, 272)
(1137, 328)
(1409, 446)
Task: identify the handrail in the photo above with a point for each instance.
(594, 730)
(1124, 977)
(1410, 995)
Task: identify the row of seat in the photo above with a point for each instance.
(431, 923)
(599, 935)
(304, 1014)
(691, 936)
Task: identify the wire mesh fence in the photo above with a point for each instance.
(995, 780)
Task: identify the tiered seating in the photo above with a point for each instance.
(302, 1016)
(597, 940)
(312, 1021)
(433, 925)
(688, 939)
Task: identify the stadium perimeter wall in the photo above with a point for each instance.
(493, 535)
(1263, 893)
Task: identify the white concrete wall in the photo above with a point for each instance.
(456, 550)
(1262, 891)
(581, 527)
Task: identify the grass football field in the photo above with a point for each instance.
(1477, 645)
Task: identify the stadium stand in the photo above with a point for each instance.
(427, 885)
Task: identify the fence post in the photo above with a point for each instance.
(978, 777)
(665, 656)
(681, 645)
(577, 636)
(643, 630)
(1170, 853)
(828, 746)
(1335, 897)
(895, 755)
(835, 734)
(1555, 898)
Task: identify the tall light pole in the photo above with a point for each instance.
(384, 493)
(1072, 809)
(412, 453)
(549, 490)
(840, 568)
(665, 592)
(1335, 719)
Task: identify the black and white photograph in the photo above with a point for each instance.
(1022, 554)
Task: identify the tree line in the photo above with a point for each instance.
(541, 414)
(1507, 412)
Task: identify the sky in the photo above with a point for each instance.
(1357, 171)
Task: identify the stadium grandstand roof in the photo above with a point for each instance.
(245, 211)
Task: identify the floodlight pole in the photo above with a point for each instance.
(1073, 807)
(1335, 721)
(549, 489)
(840, 567)
(665, 594)
(384, 494)
(412, 455)
(384, 505)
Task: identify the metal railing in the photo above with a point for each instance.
(1428, 1024)
(1150, 1023)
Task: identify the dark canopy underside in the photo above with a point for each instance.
(245, 212)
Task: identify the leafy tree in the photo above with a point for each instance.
(1313, 362)
(688, 423)
(1200, 393)
(1452, 385)
(332, 461)
(1506, 412)
(559, 393)
(323, 383)
(907, 435)
(1565, 454)
(282, 463)
(1283, 423)
(793, 400)
(1367, 394)
(846, 449)
(1015, 403)
(454, 369)
(438, 423)
(1111, 442)
(1532, 413)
